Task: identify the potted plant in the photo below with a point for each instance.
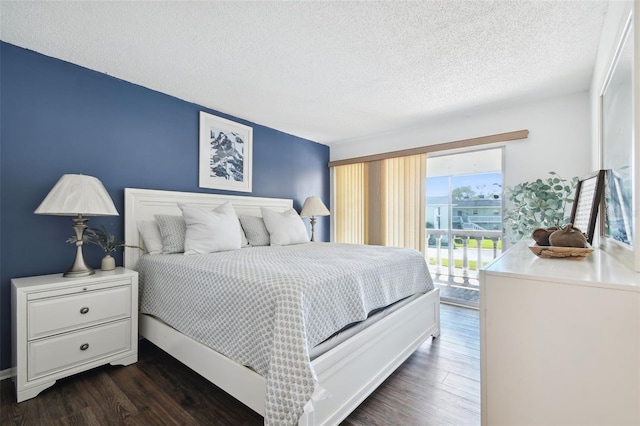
(108, 243)
(537, 204)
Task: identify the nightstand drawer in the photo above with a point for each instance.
(48, 356)
(65, 313)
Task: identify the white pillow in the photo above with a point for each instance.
(151, 238)
(285, 228)
(210, 231)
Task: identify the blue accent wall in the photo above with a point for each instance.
(57, 118)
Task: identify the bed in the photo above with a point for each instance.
(344, 375)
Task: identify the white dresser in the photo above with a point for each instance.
(61, 326)
(560, 341)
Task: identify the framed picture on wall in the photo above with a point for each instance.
(226, 150)
(619, 158)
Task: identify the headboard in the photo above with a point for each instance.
(143, 204)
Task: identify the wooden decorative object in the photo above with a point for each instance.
(555, 252)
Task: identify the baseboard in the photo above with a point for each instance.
(7, 374)
(460, 305)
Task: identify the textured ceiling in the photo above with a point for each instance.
(327, 71)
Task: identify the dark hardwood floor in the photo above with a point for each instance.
(438, 385)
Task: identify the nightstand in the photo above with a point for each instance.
(62, 326)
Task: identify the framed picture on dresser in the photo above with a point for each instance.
(620, 127)
(588, 198)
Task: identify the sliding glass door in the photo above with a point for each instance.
(463, 220)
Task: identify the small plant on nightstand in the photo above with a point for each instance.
(106, 241)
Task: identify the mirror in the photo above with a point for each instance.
(617, 121)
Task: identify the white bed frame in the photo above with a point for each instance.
(347, 374)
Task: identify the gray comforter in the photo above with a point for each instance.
(266, 307)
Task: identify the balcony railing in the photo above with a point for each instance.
(458, 272)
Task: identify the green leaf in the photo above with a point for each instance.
(539, 203)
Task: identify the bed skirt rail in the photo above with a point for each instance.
(241, 382)
(350, 372)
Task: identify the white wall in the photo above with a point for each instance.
(559, 137)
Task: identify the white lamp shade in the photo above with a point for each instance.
(78, 195)
(313, 206)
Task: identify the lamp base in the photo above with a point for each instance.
(78, 274)
(79, 267)
(313, 228)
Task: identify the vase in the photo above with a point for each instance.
(108, 263)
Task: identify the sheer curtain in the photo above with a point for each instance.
(381, 202)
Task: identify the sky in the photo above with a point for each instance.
(481, 183)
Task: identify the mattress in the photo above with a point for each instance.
(268, 307)
(356, 327)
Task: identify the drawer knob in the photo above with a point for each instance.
(84, 346)
(84, 310)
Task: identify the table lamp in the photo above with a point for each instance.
(313, 206)
(79, 195)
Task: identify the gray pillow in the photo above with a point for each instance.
(243, 237)
(254, 229)
(173, 230)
